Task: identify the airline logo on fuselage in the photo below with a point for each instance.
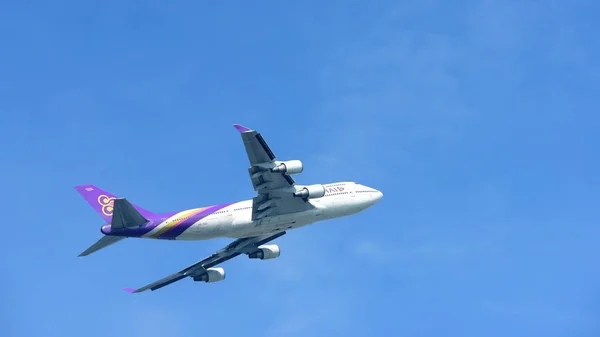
(107, 204)
(334, 189)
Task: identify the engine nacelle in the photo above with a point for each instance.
(311, 192)
(288, 167)
(211, 275)
(265, 252)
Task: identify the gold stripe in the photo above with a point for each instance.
(184, 217)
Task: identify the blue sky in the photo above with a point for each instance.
(477, 119)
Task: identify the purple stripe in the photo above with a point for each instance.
(241, 128)
(139, 231)
(157, 219)
(182, 227)
(155, 222)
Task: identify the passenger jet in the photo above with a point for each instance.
(279, 205)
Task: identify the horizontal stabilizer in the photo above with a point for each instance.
(125, 215)
(102, 243)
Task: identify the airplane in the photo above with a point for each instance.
(278, 206)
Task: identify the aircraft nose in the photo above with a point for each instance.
(378, 195)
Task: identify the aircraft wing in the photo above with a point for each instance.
(275, 190)
(237, 247)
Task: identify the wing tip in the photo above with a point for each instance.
(241, 128)
(129, 290)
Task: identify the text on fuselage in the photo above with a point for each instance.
(334, 189)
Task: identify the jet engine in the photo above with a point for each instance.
(211, 275)
(288, 167)
(265, 252)
(311, 192)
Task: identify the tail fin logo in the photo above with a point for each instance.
(107, 204)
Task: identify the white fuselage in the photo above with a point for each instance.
(235, 220)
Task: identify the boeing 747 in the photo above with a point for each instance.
(279, 205)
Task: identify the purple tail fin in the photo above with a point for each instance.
(102, 201)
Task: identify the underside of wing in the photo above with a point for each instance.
(271, 179)
(262, 162)
(204, 271)
(158, 284)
